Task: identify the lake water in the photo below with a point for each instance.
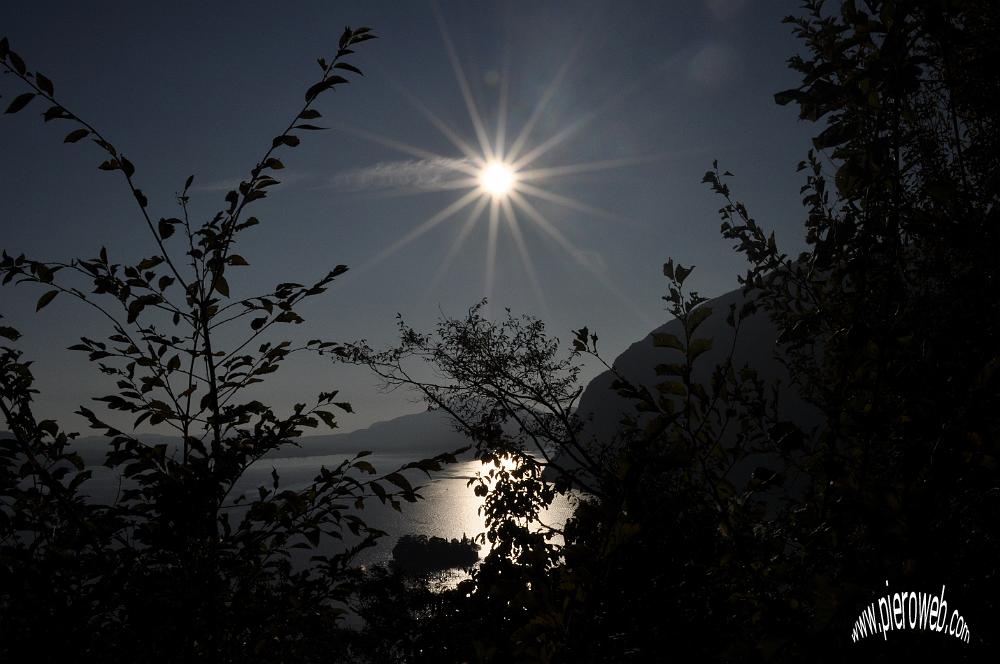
(450, 509)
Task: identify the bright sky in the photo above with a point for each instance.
(626, 105)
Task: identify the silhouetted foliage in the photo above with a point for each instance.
(887, 324)
(654, 500)
(708, 527)
(419, 554)
(890, 317)
(182, 565)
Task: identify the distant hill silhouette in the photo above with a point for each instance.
(602, 408)
(418, 434)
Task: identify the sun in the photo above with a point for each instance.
(497, 179)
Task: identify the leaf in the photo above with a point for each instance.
(56, 113)
(20, 102)
(285, 139)
(670, 369)
(787, 96)
(236, 259)
(345, 37)
(348, 67)
(127, 167)
(697, 317)
(671, 387)
(682, 273)
(309, 127)
(666, 340)
(327, 418)
(45, 299)
(698, 346)
(17, 63)
(9, 333)
(317, 88)
(344, 406)
(76, 135)
(44, 84)
(835, 134)
(399, 481)
(221, 285)
(166, 228)
(149, 263)
(258, 323)
(310, 114)
(134, 310)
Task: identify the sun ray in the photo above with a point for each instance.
(546, 225)
(501, 136)
(457, 243)
(463, 84)
(539, 174)
(411, 150)
(430, 223)
(491, 249)
(463, 146)
(579, 124)
(576, 255)
(522, 249)
(402, 192)
(551, 142)
(550, 91)
(574, 204)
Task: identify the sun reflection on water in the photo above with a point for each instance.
(450, 508)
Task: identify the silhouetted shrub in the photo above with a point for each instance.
(419, 554)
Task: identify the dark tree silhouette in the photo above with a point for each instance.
(180, 566)
(888, 325)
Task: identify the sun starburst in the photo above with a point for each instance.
(500, 177)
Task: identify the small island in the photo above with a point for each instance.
(419, 554)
